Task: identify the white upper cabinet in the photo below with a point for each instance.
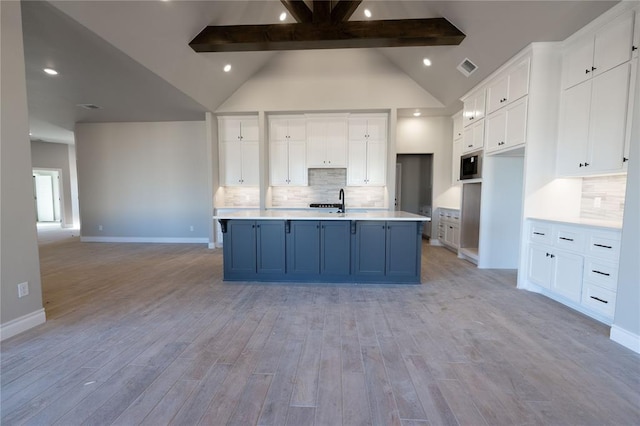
(473, 137)
(507, 128)
(474, 107)
(287, 151)
(327, 142)
(593, 124)
(367, 150)
(457, 126)
(592, 55)
(239, 151)
(511, 86)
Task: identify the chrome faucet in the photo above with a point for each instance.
(341, 198)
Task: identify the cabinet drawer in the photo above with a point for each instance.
(603, 273)
(540, 233)
(599, 299)
(569, 238)
(605, 245)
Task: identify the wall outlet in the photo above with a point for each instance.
(23, 289)
(99, 227)
(597, 202)
(191, 228)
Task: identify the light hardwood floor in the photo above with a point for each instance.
(149, 334)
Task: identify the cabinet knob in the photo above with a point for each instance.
(581, 165)
(587, 71)
(593, 68)
(634, 48)
(586, 164)
(625, 159)
(469, 146)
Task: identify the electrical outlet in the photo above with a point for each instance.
(191, 228)
(99, 227)
(23, 289)
(597, 202)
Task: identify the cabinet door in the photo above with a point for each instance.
(467, 139)
(567, 277)
(357, 129)
(297, 129)
(316, 143)
(496, 130)
(574, 129)
(335, 243)
(577, 61)
(298, 174)
(540, 266)
(250, 163)
(270, 254)
(608, 121)
(613, 44)
(278, 130)
(370, 250)
(303, 247)
(357, 167)
(516, 123)
(336, 143)
(455, 162)
(403, 249)
(478, 136)
(457, 126)
(497, 94)
(278, 163)
(249, 129)
(240, 247)
(376, 163)
(229, 129)
(518, 82)
(474, 108)
(455, 239)
(231, 163)
(377, 128)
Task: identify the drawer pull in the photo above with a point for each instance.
(566, 239)
(601, 273)
(598, 299)
(603, 246)
(538, 233)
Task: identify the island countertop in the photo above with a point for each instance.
(320, 215)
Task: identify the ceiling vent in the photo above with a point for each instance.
(88, 106)
(467, 67)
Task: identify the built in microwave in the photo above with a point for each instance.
(471, 166)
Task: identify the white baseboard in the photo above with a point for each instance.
(24, 323)
(212, 245)
(435, 242)
(625, 338)
(160, 240)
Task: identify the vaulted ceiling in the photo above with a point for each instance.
(133, 60)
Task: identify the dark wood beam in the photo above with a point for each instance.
(352, 34)
(299, 10)
(343, 10)
(321, 11)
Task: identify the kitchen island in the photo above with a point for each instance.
(308, 246)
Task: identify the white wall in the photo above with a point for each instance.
(431, 135)
(19, 259)
(47, 155)
(144, 181)
(344, 80)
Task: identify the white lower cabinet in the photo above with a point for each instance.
(449, 228)
(575, 264)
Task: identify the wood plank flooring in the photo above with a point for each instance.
(149, 334)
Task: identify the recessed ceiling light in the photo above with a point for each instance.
(426, 62)
(227, 68)
(283, 16)
(50, 71)
(367, 13)
(417, 114)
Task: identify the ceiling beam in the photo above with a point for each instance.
(351, 34)
(321, 11)
(299, 10)
(343, 10)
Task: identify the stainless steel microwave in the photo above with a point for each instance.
(471, 166)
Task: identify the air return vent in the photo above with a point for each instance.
(467, 67)
(88, 106)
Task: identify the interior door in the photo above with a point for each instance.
(44, 198)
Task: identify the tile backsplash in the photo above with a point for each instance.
(603, 197)
(238, 196)
(324, 186)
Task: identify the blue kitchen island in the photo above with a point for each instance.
(307, 246)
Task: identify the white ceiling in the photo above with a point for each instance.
(132, 58)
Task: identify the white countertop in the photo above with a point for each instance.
(611, 224)
(320, 215)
